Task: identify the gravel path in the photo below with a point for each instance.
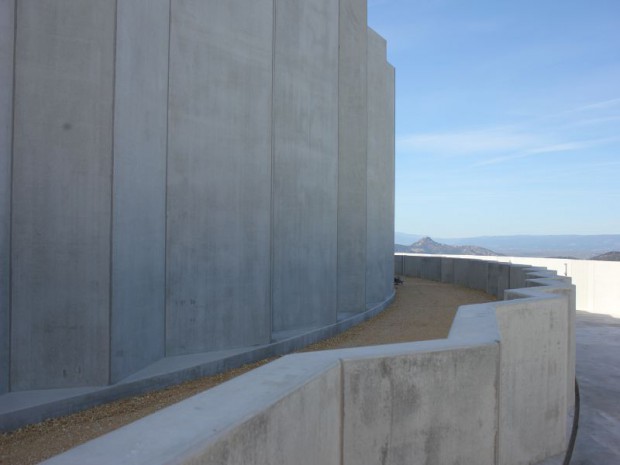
(422, 310)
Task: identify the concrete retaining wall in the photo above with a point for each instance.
(185, 179)
(494, 392)
(598, 281)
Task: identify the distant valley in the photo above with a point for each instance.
(595, 247)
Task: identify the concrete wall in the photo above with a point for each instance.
(352, 157)
(305, 171)
(420, 407)
(7, 32)
(493, 392)
(380, 172)
(219, 175)
(598, 281)
(139, 188)
(61, 199)
(185, 179)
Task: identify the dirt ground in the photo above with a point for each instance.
(422, 310)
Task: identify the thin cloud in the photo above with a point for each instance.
(467, 142)
(554, 148)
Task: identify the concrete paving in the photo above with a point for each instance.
(598, 372)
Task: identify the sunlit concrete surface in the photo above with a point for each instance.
(598, 372)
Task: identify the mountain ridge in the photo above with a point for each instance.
(530, 245)
(426, 245)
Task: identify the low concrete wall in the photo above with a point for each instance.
(598, 281)
(496, 391)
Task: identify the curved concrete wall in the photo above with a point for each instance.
(496, 391)
(598, 281)
(186, 176)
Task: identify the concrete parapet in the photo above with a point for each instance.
(596, 281)
(430, 269)
(413, 266)
(494, 392)
(447, 270)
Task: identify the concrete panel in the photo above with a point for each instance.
(413, 266)
(305, 170)
(390, 176)
(421, 407)
(380, 174)
(303, 428)
(431, 268)
(447, 270)
(478, 274)
(399, 265)
(493, 275)
(503, 280)
(461, 272)
(532, 415)
(219, 175)
(517, 276)
(139, 208)
(62, 193)
(7, 31)
(352, 124)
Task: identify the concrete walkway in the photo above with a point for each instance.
(598, 373)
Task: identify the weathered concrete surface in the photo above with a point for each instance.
(305, 164)
(434, 407)
(219, 175)
(139, 197)
(7, 32)
(62, 169)
(380, 236)
(352, 141)
(533, 397)
(225, 425)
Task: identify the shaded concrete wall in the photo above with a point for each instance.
(493, 392)
(7, 33)
(219, 175)
(61, 199)
(380, 172)
(185, 177)
(352, 158)
(139, 187)
(305, 164)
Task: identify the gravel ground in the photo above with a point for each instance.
(422, 310)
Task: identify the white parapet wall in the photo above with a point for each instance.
(598, 282)
(497, 390)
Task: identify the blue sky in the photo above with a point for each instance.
(507, 115)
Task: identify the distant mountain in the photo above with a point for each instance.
(609, 256)
(428, 246)
(534, 246)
